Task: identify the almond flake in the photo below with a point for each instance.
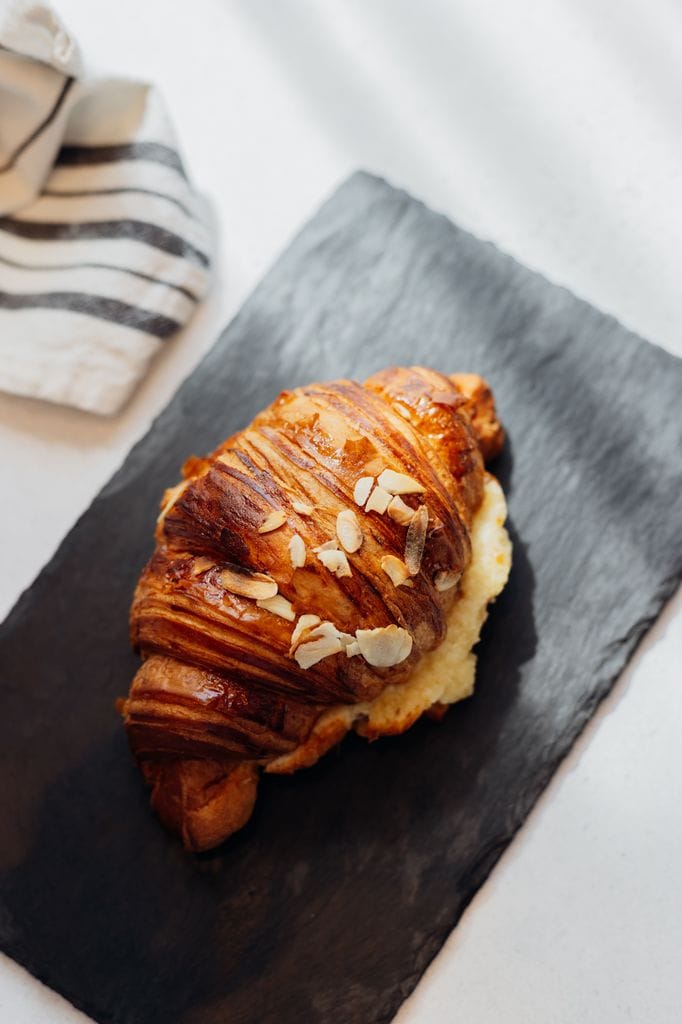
(256, 584)
(321, 641)
(399, 483)
(309, 653)
(362, 489)
(384, 646)
(348, 530)
(278, 605)
(395, 569)
(336, 562)
(273, 521)
(379, 500)
(347, 639)
(302, 508)
(200, 565)
(304, 623)
(170, 496)
(415, 540)
(329, 545)
(446, 579)
(328, 629)
(399, 511)
(297, 552)
(352, 649)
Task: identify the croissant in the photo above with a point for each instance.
(327, 568)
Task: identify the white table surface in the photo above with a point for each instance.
(552, 129)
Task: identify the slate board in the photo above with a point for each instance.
(332, 902)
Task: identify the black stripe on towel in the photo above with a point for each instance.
(76, 156)
(40, 267)
(45, 123)
(137, 230)
(86, 193)
(95, 305)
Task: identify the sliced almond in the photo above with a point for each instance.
(378, 501)
(415, 540)
(201, 564)
(362, 489)
(352, 649)
(170, 496)
(320, 641)
(399, 483)
(329, 545)
(399, 511)
(446, 579)
(327, 629)
(312, 651)
(297, 552)
(348, 530)
(255, 585)
(302, 508)
(384, 646)
(335, 561)
(395, 569)
(347, 639)
(305, 623)
(273, 521)
(278, 605)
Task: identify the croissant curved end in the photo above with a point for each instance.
(327, 568)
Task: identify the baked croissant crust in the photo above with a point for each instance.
(302, 574)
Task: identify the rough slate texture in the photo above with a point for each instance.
(330, 905)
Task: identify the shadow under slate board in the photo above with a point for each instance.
(332, 902)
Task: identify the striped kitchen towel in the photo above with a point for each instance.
(105, 248)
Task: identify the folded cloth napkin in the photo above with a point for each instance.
(104, 246)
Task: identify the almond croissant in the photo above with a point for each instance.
(302, 574)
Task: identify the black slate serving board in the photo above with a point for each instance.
(331, 903)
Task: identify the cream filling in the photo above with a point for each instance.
(444, 675)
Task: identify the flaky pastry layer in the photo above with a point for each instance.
(444, 675)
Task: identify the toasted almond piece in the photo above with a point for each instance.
(273, 521)
(328, 629)
(312, 651)
(395, 569)
(297, 552)
(399, 511)
(170, 496)
(378, 501)
(302, 508)
(352, 649)
(304, 623)
(278, 605)
(201, 564)
(256, 584)
(415, 540)
(335, 561)
(346, 638)
(362, 489)
(324, 628)
(399, 483)
(446, 579)
(348, 530)
(329, 545)
(384, 646)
